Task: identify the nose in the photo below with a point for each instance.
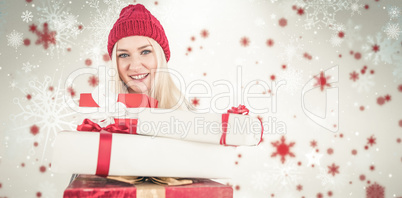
(135, 63)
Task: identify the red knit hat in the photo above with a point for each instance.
(137, 20)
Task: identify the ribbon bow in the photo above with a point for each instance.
(105, 142)
(170, 181)
(241, 109)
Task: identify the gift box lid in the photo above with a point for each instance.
(96, 186)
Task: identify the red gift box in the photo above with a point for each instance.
(95, 186)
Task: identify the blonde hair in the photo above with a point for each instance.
(162, 89)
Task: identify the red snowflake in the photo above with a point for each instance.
(270, 42)
(38, 194)
(71, 91)
(354, 76)
(330, 151)
(400, 88)
(32, 28)
(366, 6)
(376, 48)
(34, 129)
(300, 11)
(272, 77)
(283, 66)
(29, 96)
(195, 101)
(319, 195)
(333, 169)
(45, 37)
(371, 140)
(283, 22)
(204, 33)
(88, 62)
(244, 41)
(93, 81)
(375, 191)
(341, 34)
(313, 143)
(387, 97)
(380, 100)
(299, 187)
(106, 57)
(282, 149)
(27, 42)
(322, 81)
(372, 167)
(42, 169)
(358, 55)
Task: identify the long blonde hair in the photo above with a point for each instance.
(163, 88)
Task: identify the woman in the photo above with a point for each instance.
(139, 50)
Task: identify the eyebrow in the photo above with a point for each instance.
(142, 47)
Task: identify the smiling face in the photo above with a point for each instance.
(136, 63)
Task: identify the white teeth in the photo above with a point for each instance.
(138, 77)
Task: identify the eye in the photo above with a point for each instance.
(123, 55)
(145, 52)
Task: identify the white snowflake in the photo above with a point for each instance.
(380, 49)
(393, 31)
(102, 20)
(328, 181)
(355, 7)
(14, 39)
(313, 158)
(48, 189)
(320, 12)
(61, 21)
(293, 78)
(26, 16)
(13, 84)
(292, 49)
(325, 177)
(352, 33)
(393, 12)
(27, 67)
(364, 83)
(284, 175)
(335, 40)
(46, 109)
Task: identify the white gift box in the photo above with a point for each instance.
(206, 127)
(137, 155)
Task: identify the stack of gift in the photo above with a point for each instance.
(138, 139)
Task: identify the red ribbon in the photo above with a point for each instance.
(241, 109)
(105, 142)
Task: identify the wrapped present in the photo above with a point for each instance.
(95, 187)
(105, 153)
(232, 128)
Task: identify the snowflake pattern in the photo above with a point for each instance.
(393, 12)
(46, 109)
(393, 31)
(375, 191)
(14, 39)
(45, 37)
(363, 82)
(282, 149)
(293, 79)
(284, 175)
(292, 50)
(322, 81)
(386, 52)
(102, 18)
(60, 20)
(27, 67)
(322, 13)
(27, 16)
